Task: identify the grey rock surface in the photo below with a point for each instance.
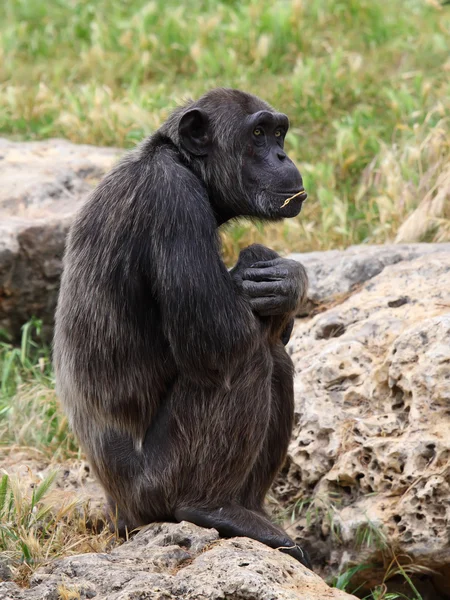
(370, 452)
(336, 273)
(42, 184)
(179, 561)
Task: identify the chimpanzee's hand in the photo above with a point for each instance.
(275, 287)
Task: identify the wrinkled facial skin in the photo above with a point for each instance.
(268, 174)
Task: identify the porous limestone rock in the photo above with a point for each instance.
(369, 461)
(336, 273)
(179, 561)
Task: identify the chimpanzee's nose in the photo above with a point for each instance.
(281, 155)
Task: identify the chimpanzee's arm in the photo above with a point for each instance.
(206, 318)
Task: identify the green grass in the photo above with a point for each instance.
(356, 77)
(29, 411)
(31, 358)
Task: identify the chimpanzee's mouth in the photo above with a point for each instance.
(296, 193)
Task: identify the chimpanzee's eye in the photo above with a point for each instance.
(257, 131)
(278, 133)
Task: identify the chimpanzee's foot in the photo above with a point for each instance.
(233, 520)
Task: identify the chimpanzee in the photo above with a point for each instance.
(171, 368)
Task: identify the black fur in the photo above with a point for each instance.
(172, 369)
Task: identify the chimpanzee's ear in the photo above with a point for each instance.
(194, 131)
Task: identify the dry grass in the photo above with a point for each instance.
(34, 531)
(413, 183)
(37, 524)
(36, 421)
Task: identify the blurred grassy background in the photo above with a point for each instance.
(365, 83)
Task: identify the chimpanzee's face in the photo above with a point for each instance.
(239, 154)
(269, 177)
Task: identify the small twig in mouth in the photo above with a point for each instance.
(286, 202)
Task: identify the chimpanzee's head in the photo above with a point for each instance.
(235, 142)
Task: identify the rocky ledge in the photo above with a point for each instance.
(368, 473)
(179, 561)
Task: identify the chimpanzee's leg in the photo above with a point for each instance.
(274, 449)
(203, 448)
(219, 506)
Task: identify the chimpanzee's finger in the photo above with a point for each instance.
(271, 273)
(268, 306)
(262, 264)
(257, 289)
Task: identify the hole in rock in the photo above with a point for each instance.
(323, 436)
(330, 330)
(398, 405)
(439, 510)
(429, 453)
(400, 301)
(365, 459)
(424, 337)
